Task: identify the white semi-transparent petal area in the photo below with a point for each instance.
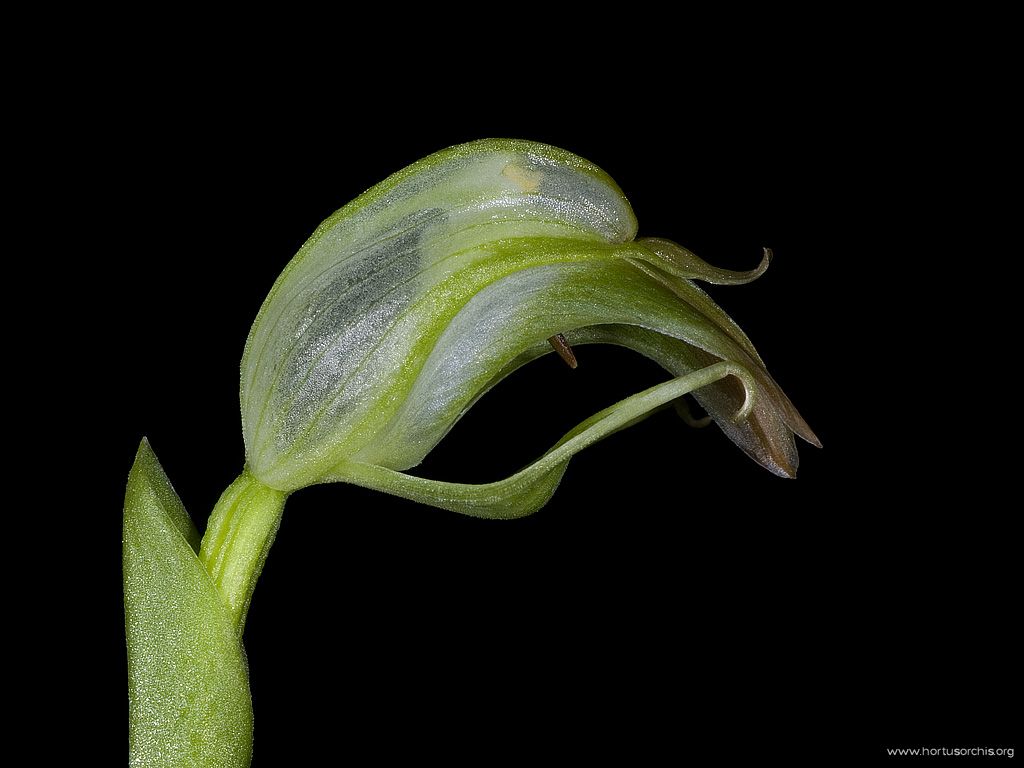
(356, 313)
(412, 301)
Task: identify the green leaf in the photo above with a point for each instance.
(187, 674)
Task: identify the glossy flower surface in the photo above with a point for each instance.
(412, 301)
(400, 312)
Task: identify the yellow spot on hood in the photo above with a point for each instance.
(524, 178)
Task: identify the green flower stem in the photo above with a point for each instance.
(238, 537)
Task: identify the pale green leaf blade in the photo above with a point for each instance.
(189, 702)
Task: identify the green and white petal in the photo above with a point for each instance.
(347, 312)
(512, 316)
(412, 301)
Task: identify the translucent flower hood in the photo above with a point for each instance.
(412, 301)
(403, 309)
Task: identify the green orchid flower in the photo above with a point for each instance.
(400, 312)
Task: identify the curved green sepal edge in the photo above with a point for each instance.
(380, 189)
(530, 489)
(188, 682)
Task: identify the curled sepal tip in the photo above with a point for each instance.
(189, 702)
(527, 491)
(684, 263)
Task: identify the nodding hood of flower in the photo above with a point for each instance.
(401, 311)
(412, 301)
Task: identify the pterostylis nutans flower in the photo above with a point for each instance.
(398, 314)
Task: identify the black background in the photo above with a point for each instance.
(673, 598)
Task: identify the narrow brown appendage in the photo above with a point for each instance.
(683, 409)
(563, 349)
